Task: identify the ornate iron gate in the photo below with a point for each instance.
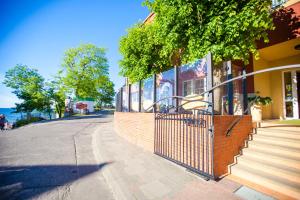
(186, 138)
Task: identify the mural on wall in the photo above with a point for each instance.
(196, 69)
(125, 99)
(134, 101)
(192, 82)
(165, 88)
(147, 93)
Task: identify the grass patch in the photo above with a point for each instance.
(290, 122)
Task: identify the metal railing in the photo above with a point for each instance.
(186, 137)
(243, 76)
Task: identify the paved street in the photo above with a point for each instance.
(53, 160)
(83, 158)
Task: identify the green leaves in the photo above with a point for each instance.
(85, 72)
(185, 30)
(28, 85)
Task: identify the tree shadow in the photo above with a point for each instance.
(287, 25)
(26, 182)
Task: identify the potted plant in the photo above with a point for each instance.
(256, 103)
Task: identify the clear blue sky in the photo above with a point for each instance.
(37, 32)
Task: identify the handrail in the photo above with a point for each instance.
(188, 99)
(228, 81)
(235, 122)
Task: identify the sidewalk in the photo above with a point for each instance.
(137, 174)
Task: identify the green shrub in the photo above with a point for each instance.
(23, 122)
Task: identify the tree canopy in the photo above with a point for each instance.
(30, 87)
(85, 72)
(27, 85)
(185, 30)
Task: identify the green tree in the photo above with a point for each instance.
(27, 85)
(56, 92)
(85, 71)
(142, 53)
(106, 94)
(185, 30)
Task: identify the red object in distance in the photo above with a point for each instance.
(81, 106)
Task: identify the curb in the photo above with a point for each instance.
(108, 175)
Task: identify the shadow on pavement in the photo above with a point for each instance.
(26, 182)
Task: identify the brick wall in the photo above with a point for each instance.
(138, 128)
(226, 147)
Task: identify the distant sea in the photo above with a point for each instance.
(13, 117)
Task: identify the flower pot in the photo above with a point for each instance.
(256, 113)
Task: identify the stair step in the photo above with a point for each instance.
(255, 154)
(277, 170)
(277, 141)
(280, 130)
(284, 151)
(279, 134)
(261, 178)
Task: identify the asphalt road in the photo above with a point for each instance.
(53, 160)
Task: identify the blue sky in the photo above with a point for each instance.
(37, 32)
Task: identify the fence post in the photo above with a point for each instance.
(210, 81)
(245, 94)
(154, 92)
(121, 99)
(129, 97)
(140, 96)
(176, 68)
(229, 87)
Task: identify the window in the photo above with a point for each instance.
(187, 88)
(199, 86)
(196, 86)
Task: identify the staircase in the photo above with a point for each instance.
(272, 162)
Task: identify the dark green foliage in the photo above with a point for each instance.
(23, 122)
(185, 30)
(258, 100)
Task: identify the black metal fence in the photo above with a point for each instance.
(186, 138)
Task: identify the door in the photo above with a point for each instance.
(298, 91)
(291, 97)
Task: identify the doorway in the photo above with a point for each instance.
(298, 91)
(291, 98)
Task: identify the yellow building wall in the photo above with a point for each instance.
(270, 84)
(262, 84)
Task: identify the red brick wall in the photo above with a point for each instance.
(138, 128)
(286, 21)
(225, 148)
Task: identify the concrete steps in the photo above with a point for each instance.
(273, 168)
(286, 142)
(278, 184)
(280, 133)
(271, 160)
(287, 152)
